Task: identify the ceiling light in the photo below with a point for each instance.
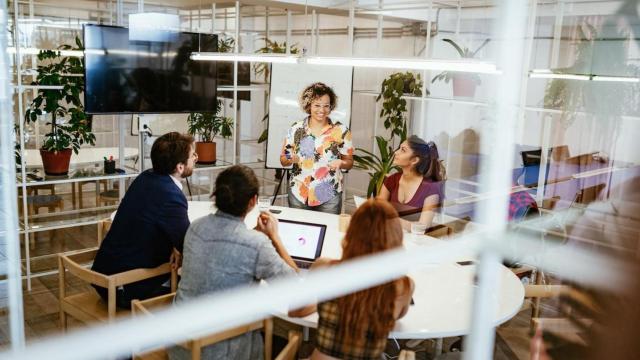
(411, 63)
(34, 51)
(269, 58)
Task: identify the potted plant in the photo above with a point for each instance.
(464, 85)
(206, 126)
(59, 104)
(393, 112)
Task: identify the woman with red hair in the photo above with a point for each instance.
(356, 326)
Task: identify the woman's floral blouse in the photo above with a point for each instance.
(313, 182)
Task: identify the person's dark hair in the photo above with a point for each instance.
(169, 150)
(235, 187)
(315, 91)
(429, 164)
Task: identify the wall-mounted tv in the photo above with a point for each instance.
(134, 76)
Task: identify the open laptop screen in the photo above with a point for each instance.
(302, 240)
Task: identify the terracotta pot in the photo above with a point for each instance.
(463, 86)
(56, 162)
(206, 152)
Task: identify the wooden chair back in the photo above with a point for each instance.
(103, 229)
(146, 307)
(88, 306)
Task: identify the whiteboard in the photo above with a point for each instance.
(287, 83)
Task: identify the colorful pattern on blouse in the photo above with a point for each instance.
(312, 181)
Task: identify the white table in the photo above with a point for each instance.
(88, 155)
(443, 294)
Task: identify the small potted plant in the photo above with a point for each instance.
(206, 126)
(464, 85)
(70, 126)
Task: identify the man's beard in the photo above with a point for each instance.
(187, 172)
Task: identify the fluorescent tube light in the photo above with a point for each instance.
(34, 51)
(615, 78)
(416, 64)
(548, 74)
(270, 58)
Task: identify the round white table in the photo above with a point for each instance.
(444, 292)
(88, 155)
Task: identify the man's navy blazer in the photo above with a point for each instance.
(151, 220)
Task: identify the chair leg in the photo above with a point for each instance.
(73, 195)
(196, 350)
(63, 321)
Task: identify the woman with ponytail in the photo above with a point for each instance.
(357, 326)
(419, 185)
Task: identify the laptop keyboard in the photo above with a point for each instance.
(303, 264)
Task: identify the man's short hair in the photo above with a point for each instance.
(169, 150)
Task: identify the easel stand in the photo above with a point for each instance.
(275, 193)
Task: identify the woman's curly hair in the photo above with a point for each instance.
(315, 91)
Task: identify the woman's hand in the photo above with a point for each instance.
(268, 224)
(335, 164)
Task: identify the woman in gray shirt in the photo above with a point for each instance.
(221, 253)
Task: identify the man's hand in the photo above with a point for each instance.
(175, 260)
(268, 224)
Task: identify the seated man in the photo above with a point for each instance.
(151, 220)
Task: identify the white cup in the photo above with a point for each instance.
(418, 228)
(264, 203)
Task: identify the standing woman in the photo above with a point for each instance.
(418, 188)
(318, 149)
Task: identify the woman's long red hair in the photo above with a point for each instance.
(374, 227)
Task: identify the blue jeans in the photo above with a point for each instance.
(333, 206)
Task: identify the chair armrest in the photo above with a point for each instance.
(135, 275)
(144, 306)
(289, 351)
(545, 291)
(92, 277)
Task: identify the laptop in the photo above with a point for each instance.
(302, 240)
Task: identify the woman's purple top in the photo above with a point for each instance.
(426, 189)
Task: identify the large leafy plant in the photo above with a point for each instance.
(464, 53)
(393, 112)
(208, 125)
(60, 104)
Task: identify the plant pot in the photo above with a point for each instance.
(56, 162)
(206, 152)
(464, 86)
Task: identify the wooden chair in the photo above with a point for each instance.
(88, 306)
(407, 355)
(589, 194)
(103, 229)
(109, 197)
(146, 307)
(447, 229)
(36, 201)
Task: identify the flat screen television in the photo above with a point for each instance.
(134, 76)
